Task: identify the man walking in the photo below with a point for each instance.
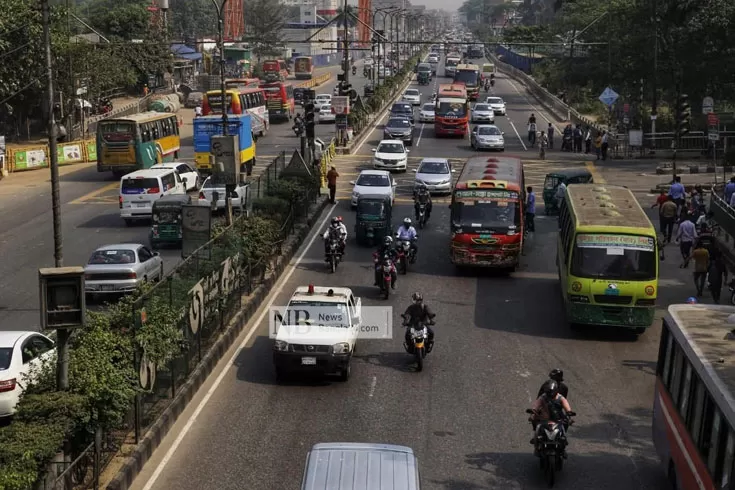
(717, 276)
(550, 133)
(685, 235)
(588, 141)
(578, 139)
(332, 184)
(530, 209)
(667, 218)
(700, 255)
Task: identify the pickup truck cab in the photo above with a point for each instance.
(318, 332)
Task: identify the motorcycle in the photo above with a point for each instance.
(385, 267)
(298, 129)
(422, 215)
(492, 82)
(334, 255)
(551, 445)
(405, 255)
(419, 338)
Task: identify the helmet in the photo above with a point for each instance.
(406, 222)
(388, 241)
(557, 375)
(339, 219)
(416, 297)
(422, 187)
(335, 221)
(550, 389)
(692, 300)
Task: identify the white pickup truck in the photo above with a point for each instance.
(317, 332)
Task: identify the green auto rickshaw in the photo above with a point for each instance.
(373, 219)
(423, 77)
(166, 220)
(554, 179)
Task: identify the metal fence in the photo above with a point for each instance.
(259, 185)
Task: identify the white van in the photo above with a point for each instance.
(140, 189)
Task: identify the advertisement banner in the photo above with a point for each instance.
(70, 153)
(30, 159)
(91, 146)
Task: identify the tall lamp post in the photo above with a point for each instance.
(386, 13)
(381, 10)
(394, 33)
(221, 46)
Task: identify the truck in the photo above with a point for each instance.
(303, 68)
(207, 126)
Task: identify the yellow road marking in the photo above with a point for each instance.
(97, 193)
(596, 176)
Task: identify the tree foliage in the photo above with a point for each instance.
(264, 26)
(192, 19)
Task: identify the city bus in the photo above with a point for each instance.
(212, 102)
(242, 83)
(303, 68)
(487, 213)
(452, 113)
(607, 258)
(450, 64)
(275, 71)
(693, 407)
(469, 75)
(207, 126)
(279, 100)
(252, 101)
(136, 142)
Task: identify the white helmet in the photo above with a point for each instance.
(407, 222)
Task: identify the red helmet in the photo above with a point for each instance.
(339, 218)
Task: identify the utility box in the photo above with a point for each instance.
(61, 291)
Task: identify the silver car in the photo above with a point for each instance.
(487, 137)
(426, 114)
(483, 113)
(435, 174)
(121, 268)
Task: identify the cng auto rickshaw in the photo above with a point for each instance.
(554, 179)
(423, 77)
(167, 219)
(373, 219)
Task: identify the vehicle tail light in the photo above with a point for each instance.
(153, 190)
(7, 385)
(120, 201)
(202, 196)
(132, 275)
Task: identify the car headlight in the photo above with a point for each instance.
(341, 348)
(280, 345)
(355, 194)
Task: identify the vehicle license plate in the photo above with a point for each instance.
(308, 361)
(107, 287)
(140, 204)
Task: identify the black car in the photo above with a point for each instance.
(399, 128)
(403, 110)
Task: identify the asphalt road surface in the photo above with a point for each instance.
(497, 337)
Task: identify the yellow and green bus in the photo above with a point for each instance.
(607, 258)
(136, 142)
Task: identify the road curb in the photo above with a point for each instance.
(668, 169)
(160, 428)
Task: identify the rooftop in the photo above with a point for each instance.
(608, 205)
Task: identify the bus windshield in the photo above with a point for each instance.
(117, 131)
(623, 257)
(469, 78)
(455, 109)
(490, 214)
(451, 62)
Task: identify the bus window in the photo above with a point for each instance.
(145, 132)
(666, 373)
(714, 439)
(727, 466)
(676, 372)
(695, 421)
(685, 392)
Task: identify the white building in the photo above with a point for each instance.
(323, 8)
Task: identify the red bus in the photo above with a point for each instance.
(693, 416)
(303, 68)
(452, 112)
(275, 70)
(487, 213)
(279, 100)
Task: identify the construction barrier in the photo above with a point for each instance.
(315, 82)
(32, 157)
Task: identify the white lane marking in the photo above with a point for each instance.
(373, 384)
(540, 112)
(516, 132)
(274, 294)
(421, 131)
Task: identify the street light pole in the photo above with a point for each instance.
(346, 43)
(221, 46)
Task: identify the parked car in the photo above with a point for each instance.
(399, 128)
(22, 354)
(373, 182)
(238, 199)
(487, 137)
(483, 113)
(326, 114)
(497, 104)
(435, 174)
(187, 172)
(390, 155)
(120, 268)
(427, 112)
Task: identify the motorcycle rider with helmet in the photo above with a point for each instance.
(386, 249)
(422, 195)
(419, 313)
(338, 231)
(558, 376)
(407, 232)
(551, 405)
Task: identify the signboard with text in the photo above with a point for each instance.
(196, 228)
(226, 168)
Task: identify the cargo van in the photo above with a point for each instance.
(140, 189)
(351, 466)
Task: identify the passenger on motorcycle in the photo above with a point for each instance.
(337, 230)
(386, 249)
(422, 196)
(558, 376)
(408, 232)
(550, 406)
(418, 314)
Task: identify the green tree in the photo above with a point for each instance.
(264, 26)
(192, 19)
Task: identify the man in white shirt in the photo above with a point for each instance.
(560, 192)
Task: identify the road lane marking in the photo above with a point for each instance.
(541, 113)
(373, 383)
(596, 176)
(97, 193)
(517, 134)
(421, 132)
(274, 294)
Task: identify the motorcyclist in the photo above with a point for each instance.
(416, 314)
(551, 405)
(492, 79)
(487, 84)
(386, 249)
(354, 69)
(407, 232)
(558, 376)
(298, 123)
(422, 196)
(338, 231)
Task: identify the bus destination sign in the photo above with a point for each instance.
(485, 194)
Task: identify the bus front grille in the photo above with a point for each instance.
(613, 300)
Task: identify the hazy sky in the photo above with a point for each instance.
(449, 5)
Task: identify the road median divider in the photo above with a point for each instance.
(315, 82)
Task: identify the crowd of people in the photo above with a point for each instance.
(575, 139)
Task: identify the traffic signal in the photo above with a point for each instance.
(309, 117)
(683, 115)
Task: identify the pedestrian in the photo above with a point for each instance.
(729, 189)
(550, 133)
(577, 139)
(700, 256)
(561, 191)
(685, 236)
(145, 90)
(678, 193)
(332, 184)
(662, 198)
(587, 141)
(530, 209)
(667, 218)
(717, 276)
(198, 111)
(532, 133)
(598, 145)
(605, 145)
(543, 142)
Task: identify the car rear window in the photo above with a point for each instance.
(6, 355)
(140, 186)
(119, 256)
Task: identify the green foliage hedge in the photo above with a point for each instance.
(103, 379)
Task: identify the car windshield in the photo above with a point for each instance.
(621, 257)
(373, 208)
(468, 77)
(140, 186)
(428, 108)
(390, 148)
(482, 107)
(486, 209)
(399, 123)
(412, 93)
(401, 108)
(371, 180)
(494, 100)
(111, 257)
(6, 355)
(316, 313)
(488, 131)
(455, 109)
(434, 168)
(209, 184)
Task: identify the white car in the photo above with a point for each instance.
(390, 155)
(326, 114)
(121, 268)
(497, 104)
(426, 114)
(187, 172)
(413, 96)
(483, 113)
(487, 137)
(433, 59)
(239, 199)
(435, 174)
(22, 354)
(373, 183)
(323, 99)
(318, 332)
